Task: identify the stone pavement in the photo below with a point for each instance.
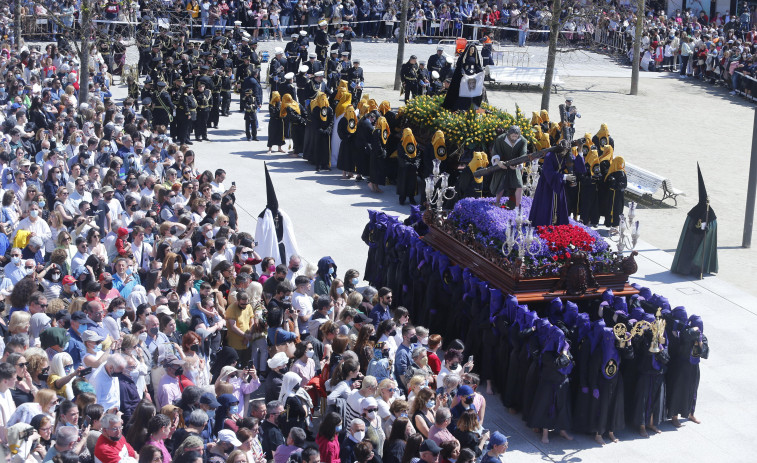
(668, 127)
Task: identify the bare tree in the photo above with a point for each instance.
(640, 5)
(554, 30)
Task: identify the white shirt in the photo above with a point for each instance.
(78, 260)
(106, 388)
(142, 254)
(39, 227)
(217, 187)
(7, 408)
(304, 305)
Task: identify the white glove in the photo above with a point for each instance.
(570, 177)
(703, 226)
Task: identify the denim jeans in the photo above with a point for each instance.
(522, 38)
(284, 24)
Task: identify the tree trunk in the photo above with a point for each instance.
(84, 47)
(17, 26)
(401, 45)
(554, 31)
(637, 47)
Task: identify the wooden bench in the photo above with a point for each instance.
(642, 182)
(522, 76)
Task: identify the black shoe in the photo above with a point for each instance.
(317, 169)
(359, 178)
(188, 143)
(412, 201)
(248, 138)
(205, 139)
(197, 140)
(255, 139)
(215, 126)
(402, 201)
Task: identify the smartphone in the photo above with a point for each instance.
(233, 183)
(470, 359)
(87, 421)
(85, 371)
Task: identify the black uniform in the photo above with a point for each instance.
(409, 75)
(204, 100)
(215, 109)
(321, 44)
(250, 118)
(162, 113)
(225, 94)
(186, 114)
(437, 63)
(355, 79)
(276, 73)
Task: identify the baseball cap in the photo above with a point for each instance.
(81, 317)
(430, 446)
(68, 280)
(209, 399)
(89, 335)
(227, 436)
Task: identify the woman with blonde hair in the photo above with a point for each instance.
(20, 322)
(174, 414)
(62, 374)
(45, 401)
(238, 456)
(423, 410)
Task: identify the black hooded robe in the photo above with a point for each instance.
(697, 250)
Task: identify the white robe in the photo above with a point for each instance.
(268, 244)
(336, 142)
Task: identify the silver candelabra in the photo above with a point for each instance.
(522, 235)
(435, 196)
(532, 178)
(628, 230)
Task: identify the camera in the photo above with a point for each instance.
(25, 434)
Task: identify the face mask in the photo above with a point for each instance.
(414, 339)
(29, 271)
(108, 285)
(287, 299)
(338, 428)
(234, 409)
(58, 176)
(195, 348)
(331, 310)
(358, 436)
(371, 415)
(98, 348)
(355, 281)
(34, 213)
(153, 331)
(120, 313)
(42, 203)
(209, 234)
(468, 400)
(294, 269)
(244, 256)
(430, 404)
(340, 290)
(403, 415)
(331, 270)
(271, 268)
(175, 265)
(55, 277)
(78, 139)
(453, 366)
(310, 353)
(393, 333)
(142, 337)
(179, 371)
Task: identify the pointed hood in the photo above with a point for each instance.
(699, 212)
(272, 202)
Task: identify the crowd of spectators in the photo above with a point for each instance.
(138, 320)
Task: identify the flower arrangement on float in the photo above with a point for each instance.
(548, 247)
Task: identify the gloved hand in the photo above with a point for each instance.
(595, 393)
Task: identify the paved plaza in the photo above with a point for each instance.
(669, 127)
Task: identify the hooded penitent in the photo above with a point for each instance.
(618, 164)
(288, 102)
(408, 143)
(275, 98)
(384, 107)
(440, 149)
(349, 114)
(603, 135)
(344, 101)
(382, 125)
(274, 230)
(323, 106)
(479, 161)
(697, 251)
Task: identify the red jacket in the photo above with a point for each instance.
(107, 451)
(329, 449)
